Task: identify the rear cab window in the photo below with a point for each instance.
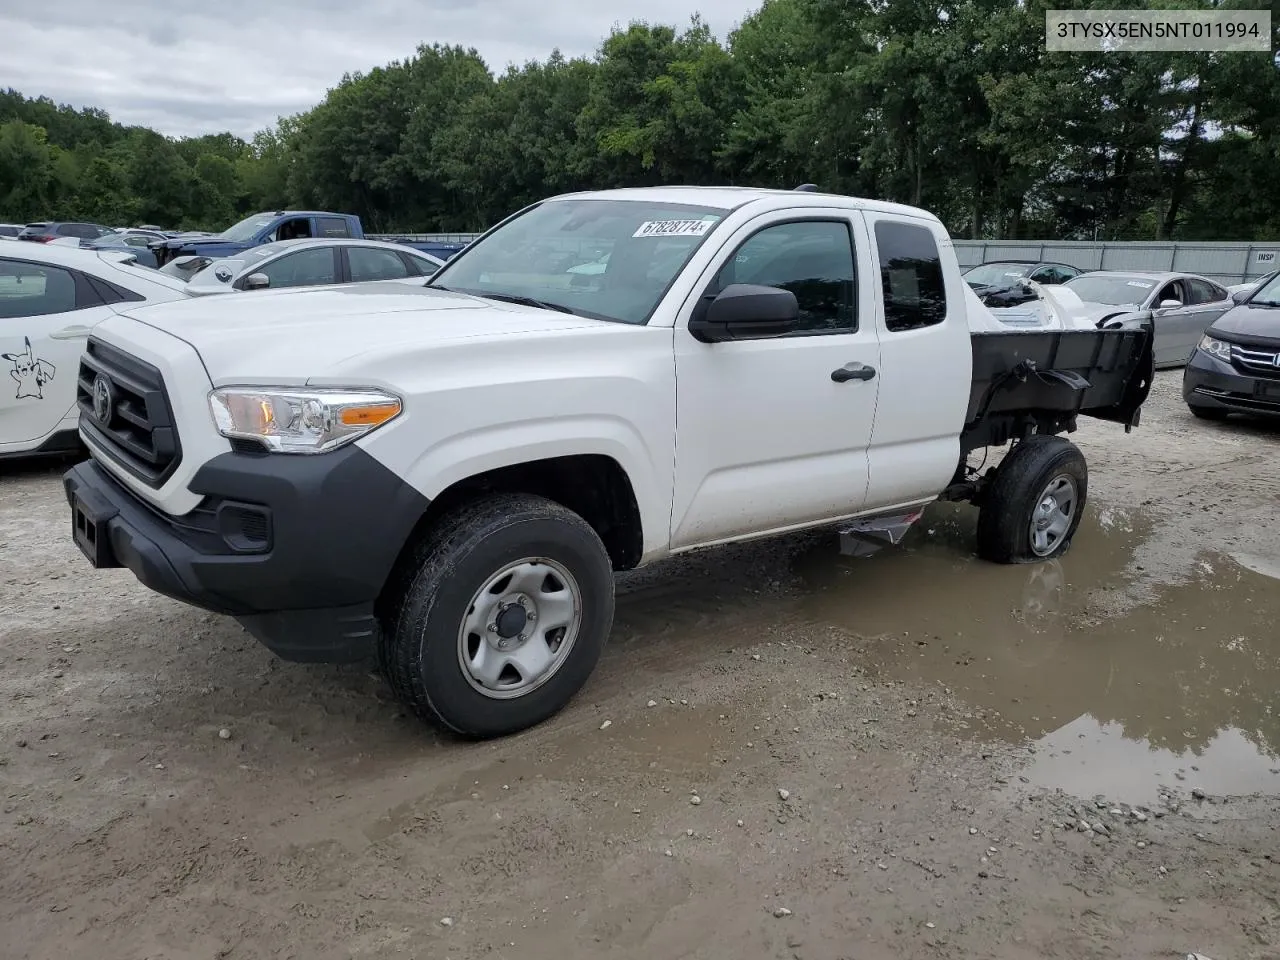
(911, 277)
(332, 227)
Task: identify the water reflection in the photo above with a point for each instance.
(1054, 652)
(1100, 758)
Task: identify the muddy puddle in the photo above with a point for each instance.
(1119, 698)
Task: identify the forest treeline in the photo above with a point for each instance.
(953, 105)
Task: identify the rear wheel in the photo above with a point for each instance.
(500, 616)
(1032, 508)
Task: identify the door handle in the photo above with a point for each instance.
(70, 333)
(853, 371)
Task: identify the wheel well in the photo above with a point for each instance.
(591, 485)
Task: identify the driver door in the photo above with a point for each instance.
(767, 439)
(1177, 329)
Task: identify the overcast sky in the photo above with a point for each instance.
(192, 68)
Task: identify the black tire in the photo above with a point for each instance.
(427, 603)
(1209, 413)
(1021, 482)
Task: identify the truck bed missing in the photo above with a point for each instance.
(1040, 382)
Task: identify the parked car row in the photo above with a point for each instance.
(1235, 368)
(1180, 305)
(53, 295)
(1227, 338)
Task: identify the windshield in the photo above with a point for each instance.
(248, 228)
(1268, 295)
(1113, 291)
(637, 248)
(997, 274)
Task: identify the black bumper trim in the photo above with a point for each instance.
(1213, 385)
(337, 524)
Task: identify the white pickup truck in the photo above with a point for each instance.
(446, 475)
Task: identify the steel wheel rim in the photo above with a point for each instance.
(1053, 514)
(519, 628)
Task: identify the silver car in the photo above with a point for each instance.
(1180, 305)
(306, 263)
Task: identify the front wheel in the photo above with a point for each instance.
(500, 616)
(1033, 506)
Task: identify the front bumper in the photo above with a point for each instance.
(297, 548)
(1213, 384)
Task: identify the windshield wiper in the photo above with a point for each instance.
(506, 298)
(527, 302)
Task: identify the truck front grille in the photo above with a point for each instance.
(125, 410)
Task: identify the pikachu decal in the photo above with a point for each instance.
(30, 372)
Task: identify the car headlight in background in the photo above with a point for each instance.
(1216, 348)
(289, 420)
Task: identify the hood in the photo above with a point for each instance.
(289, 336)
(1249, 324)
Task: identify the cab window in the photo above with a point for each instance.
(298, 228)
(915, 295)
(811, 258)
(332, 227)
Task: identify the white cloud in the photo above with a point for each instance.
(243, 63)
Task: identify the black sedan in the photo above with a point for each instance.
(1001, 283)
(1236, 366)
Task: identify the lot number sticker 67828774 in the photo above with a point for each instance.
(673, 228)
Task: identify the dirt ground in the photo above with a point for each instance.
(807, 756)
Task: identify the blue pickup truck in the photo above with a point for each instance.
(260, 228)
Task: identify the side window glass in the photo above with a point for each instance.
(35, 290)
(306, 268)
(418, 267)
(911, 276)
(368, 263)
(1171, 291)
(294, 229)
(812, 259)
(1203, 292)
(332, 227)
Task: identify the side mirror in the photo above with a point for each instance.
(257, 281)
(742, 311)
(1240, 296)
(1170, 304)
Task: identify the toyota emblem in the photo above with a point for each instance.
(102, 399)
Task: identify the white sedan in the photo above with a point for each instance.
(51, 297)
(305, 263)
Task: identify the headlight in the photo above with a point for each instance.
(286, 420)
(1216, 348)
